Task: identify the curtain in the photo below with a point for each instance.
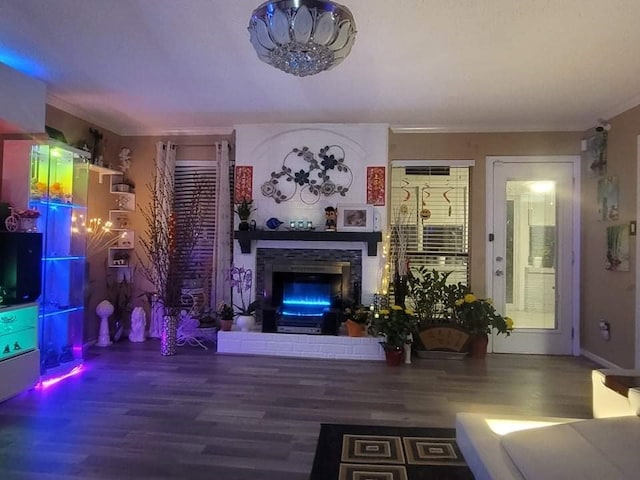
(221, 291)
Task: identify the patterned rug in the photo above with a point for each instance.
(357, 452)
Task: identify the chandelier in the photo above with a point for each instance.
(302, 37)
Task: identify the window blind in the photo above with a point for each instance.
(430, 210)
(196, 259)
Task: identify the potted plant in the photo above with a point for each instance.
(125, 185)
(396, 327)
(433, 298)
(241, 280)
(358, 317)
(243, 210)
(478, 316)
(225, 316)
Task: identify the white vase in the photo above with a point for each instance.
(246, 322)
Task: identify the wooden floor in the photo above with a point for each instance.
(133, 414)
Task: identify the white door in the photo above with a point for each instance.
(531, 276)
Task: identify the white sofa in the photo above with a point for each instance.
(544, 448)
(609, 403)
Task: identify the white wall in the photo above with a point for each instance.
(22, 102)
(265, 148)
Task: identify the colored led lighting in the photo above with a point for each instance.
(52, 381)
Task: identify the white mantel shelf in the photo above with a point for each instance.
(300, 346)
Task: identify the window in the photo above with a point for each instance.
(430, 204)
(196, 273)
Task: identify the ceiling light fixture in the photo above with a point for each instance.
(302, 37)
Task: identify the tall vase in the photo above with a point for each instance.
(400, 289)
(169, 336)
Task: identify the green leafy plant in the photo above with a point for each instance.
(225, 311)
(394, 326)
(478, 315)
(358, 313)
(432, 296)
(244, 209)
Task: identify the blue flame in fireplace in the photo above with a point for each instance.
(305, 299)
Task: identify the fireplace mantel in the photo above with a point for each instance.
(370, 238)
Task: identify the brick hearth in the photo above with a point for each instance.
(304, 346)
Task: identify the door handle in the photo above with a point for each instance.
(499, 273)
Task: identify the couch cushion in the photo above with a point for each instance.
(602, 448)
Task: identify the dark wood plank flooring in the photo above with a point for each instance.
(133, 414)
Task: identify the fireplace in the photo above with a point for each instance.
(303, 293)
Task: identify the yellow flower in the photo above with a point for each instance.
(396, 307)
(509, 323)
(459, 302)
(489, 301)
(470, 298)
(384, 311)
(409, 311)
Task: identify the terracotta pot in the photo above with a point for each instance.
(478, 345)
(225, 324)
(354, 329)
(394, 356)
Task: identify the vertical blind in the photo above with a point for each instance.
(430, 209)
(196, 274)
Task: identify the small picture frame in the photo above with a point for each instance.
(355, 217)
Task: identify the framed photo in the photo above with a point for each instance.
(355, 217)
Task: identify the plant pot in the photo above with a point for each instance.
(394, 356)
(478, 345)
(354, 329)
(226, 324)
(246, 322)
(243, 226)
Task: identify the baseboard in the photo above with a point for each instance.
(598, 359)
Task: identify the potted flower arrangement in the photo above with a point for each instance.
(433, 297)
(243, 210)
(225, 316)
(357, 321)
(241, 280)
(396, 326)
(478, 316)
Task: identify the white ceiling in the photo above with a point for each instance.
(161, 66)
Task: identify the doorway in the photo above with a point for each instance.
(533, 221)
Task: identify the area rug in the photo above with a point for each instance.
(357, 452)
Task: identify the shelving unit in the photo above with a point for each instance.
(52, 178)
(119, 255)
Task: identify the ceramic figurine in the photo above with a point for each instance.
(331, 216)
(138, 323)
